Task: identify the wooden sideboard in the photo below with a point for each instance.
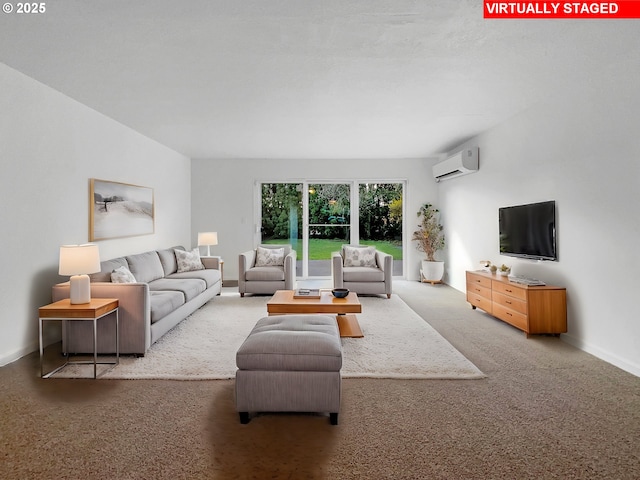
(532, 309)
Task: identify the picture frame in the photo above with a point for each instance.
(118, 210)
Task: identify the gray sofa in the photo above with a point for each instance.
(157, 301)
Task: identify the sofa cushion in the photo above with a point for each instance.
(211, 276)
(359, 256)
(191, 287)
(168, 260)
(146, 267)
(263, 274)
(292, 342)
(106, 267)
(163, 303)
(362, 274)
(122, 275)
(268, 257)
(188, 261)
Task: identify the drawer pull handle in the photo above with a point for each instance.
(508, 302)
(509, 314)
(507, 290)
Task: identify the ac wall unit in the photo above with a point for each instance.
(461, 163)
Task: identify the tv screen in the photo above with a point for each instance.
(528, 231)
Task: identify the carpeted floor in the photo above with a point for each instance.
(545, 410)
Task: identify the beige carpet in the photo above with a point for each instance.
(397, 343)
(545, 411)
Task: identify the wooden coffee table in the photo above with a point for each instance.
(283, 303)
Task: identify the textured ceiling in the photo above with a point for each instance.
(307, 78)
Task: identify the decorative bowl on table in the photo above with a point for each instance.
(340, 292)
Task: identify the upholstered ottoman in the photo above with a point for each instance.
(290, 363)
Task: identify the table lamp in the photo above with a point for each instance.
(77, 261)
(208, 239)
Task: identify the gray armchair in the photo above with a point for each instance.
(266, 276)
(362, 269)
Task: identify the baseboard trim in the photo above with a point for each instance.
(604, 355)
(11, 357)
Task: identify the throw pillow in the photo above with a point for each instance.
(188, 261)
(269, 257)
(359, 256)
(122, 275)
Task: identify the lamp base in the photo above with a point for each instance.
(80, 289)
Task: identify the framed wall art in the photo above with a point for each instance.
(119, 210)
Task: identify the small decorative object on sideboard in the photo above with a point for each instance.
(504, 270)
(490, 267)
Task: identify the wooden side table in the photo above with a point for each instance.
(93, 311)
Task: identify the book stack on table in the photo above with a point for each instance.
(306, 293)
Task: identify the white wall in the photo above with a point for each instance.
(581, 149)
(50, 145)
(223, 195)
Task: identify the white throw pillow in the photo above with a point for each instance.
(359, 256)
(269, 257)
(122, 275)
(188, 261)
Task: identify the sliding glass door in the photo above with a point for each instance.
(317, 218)
(380, 219)
(328, 226)
(281, 217)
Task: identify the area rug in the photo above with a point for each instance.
(397, 343)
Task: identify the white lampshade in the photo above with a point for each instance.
(208, 239)
(77, 261)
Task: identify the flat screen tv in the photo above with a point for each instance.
(528, 231)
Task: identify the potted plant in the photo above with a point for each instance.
(504, 270)
(430, 239)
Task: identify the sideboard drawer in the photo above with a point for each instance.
(478, 280)
(511, 303)
(516, 319)
(479, 290)
(508, 289)
(479, 301)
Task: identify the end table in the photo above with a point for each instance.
(93, 311)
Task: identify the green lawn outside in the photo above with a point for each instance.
(321, 249)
